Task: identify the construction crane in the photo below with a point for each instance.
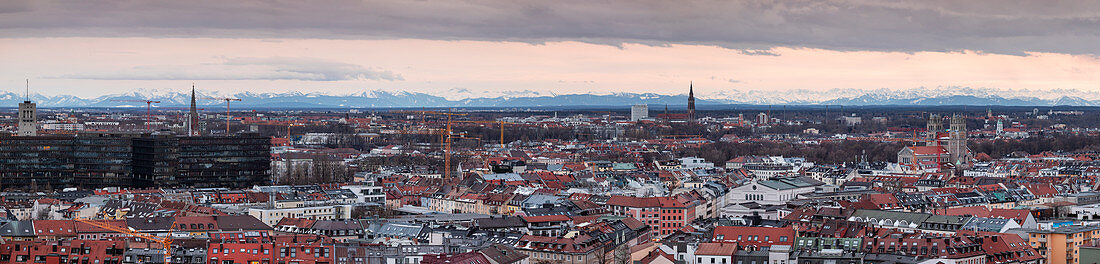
(464, 136)
(446, 135)
(227, 117)
(148, 108)
(288, 126)
(607, 115)
(489, 122)
(447, 150)
(166, 242)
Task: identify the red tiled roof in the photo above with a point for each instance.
(296, 222)
(86, 228)
(653, 255)
(754, 236)
(716, 249)
(54, 227)
(928, 150)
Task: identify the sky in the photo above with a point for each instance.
(460, 49)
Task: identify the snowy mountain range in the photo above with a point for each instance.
(387, 99)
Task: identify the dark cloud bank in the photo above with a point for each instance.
(1009, 27)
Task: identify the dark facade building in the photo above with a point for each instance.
(156, 160)
(243, 160)
(55, 161)
(93, 160)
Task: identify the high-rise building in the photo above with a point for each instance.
(691, 102)
(238, 161)
(93, 160)
(156, 160)
(639, 112)
(28, 123)
(81, 160)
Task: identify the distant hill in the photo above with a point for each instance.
(385, 99)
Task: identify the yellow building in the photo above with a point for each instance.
(1062, 245)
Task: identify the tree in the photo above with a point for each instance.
(42, 214)
(621, 255)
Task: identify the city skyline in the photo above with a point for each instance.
(523, 49)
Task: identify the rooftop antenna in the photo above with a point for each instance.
(28, 92)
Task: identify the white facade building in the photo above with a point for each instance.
(639, 112)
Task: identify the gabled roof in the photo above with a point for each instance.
(17, 229)
(500, 222)
(150, 223)
(501, 254)
(86, 228)
(54, 228)
(753, 235)
(717, 249)
(296, 222)
(654, 255)
(240, 222)
(337, 225)
(927, 150)
(546, 218)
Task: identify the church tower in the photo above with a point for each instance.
(956, 145)
(193, 116)
(691, 102)
(935, 125)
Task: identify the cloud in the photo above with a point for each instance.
(459, 90)
(759, 52)
(933, 25)
(271, 68)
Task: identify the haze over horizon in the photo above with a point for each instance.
(485, 48)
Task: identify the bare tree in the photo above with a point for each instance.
(42, 214)
(621, 255)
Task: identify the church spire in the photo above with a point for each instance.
(691, 101)
(193, 116)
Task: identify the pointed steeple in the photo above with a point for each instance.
(691, 101)
(667, 117)
(193, 116)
